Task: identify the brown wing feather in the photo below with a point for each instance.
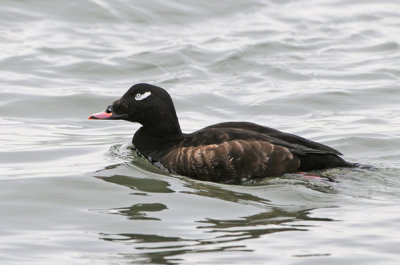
(231, 160)
(228, 131)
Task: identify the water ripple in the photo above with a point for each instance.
(326, 70)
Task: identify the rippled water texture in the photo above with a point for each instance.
(73, 192)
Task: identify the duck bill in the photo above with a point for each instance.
(107, 116)
(101, 116)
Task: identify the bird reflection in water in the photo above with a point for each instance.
(214, 234)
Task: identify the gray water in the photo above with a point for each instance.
(72, 191)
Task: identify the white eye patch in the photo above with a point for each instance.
(139, 96)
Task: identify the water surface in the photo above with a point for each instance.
(72, 191)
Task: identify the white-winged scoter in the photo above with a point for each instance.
(225, 152)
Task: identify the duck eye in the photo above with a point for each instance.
(139, 96)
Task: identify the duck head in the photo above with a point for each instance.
(146, 104)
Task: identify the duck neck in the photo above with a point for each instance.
(153, 139)
(162, 129)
